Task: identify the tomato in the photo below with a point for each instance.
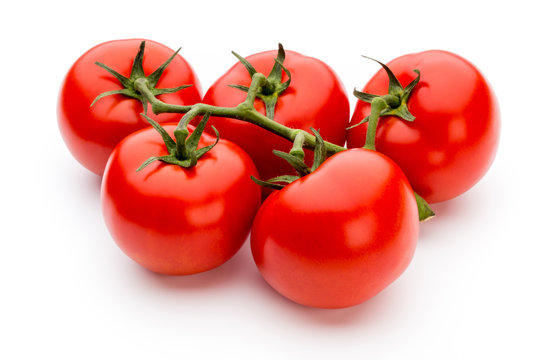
(175, 220)
(339, 235)
(315, 98)
(453, 140)
(91, 133)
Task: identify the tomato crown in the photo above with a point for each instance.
(137, 73)
(182, 152)
(295, 158)
(273, 87)
(397, 98)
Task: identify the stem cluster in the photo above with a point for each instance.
(184, 151)
(244, 111)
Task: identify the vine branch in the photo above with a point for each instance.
(244, 111)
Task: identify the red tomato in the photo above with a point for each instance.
(315, 98)
(453, 140)
(91, 133)
(175, 220)
(339, 235)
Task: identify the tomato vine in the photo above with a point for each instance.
(141, 87)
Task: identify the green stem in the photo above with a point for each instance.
(270, 106)
(378, 104)
(245, 111)
(158, 106)
(298, 146)
(257, 81)
(189, 116)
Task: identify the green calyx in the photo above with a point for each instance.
(137, 72)
(396, 99)
(424, 211)
(182, 152)
(295, 158)
(273, 87)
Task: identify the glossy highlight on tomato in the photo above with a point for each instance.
(453, 140)
(174, 220)
(91, 133)
(315, 98)
(339, 235)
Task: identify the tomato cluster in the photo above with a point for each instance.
(180, 199)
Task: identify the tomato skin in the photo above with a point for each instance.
(340, 235)
(315, 98)
(173, 220)
(91, 133)
(453, 140)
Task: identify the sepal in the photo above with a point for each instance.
(270, 91)
(183, 151)
(295, 158)
(397, 97)
(319, 150)
(137, 72)
(301, 168)
(276, 183)
(424, 211)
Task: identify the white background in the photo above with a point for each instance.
(67, 291)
